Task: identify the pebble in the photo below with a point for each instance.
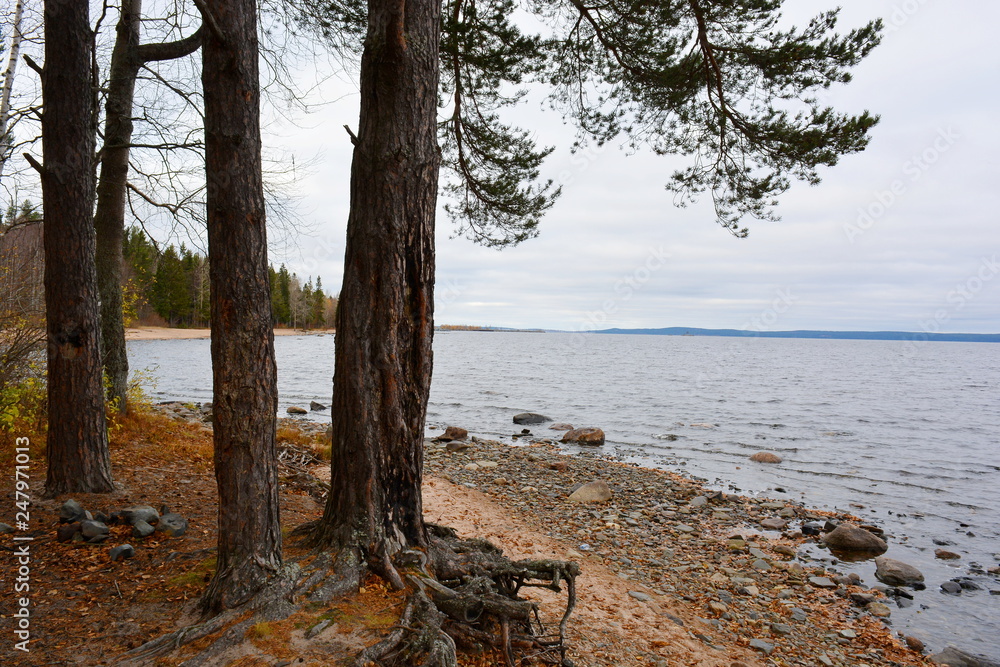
(122, 552)
(762, 646)
(640, 596)
(822, 582)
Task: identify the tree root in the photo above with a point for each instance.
(464, 594)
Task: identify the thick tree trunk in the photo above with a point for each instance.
(385, 319)
(243, 368)
(109, 217)
(78, 456)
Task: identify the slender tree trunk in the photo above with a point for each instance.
(385, 319)
(243, 368)
(109, 217)
(8, 79)
(78, 455)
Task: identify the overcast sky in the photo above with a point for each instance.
(901, 237)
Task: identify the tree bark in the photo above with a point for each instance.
(8, 79)
(243, 367)
(78, 457)
(109, 217)
(385, 323)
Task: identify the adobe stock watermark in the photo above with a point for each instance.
(624, 289)
(902, 12)
(963, 292)
(912, 171)
(22, 545)
(581, 161)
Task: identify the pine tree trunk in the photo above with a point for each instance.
(385, 318)
(243, 367)
(78, 457)
(109, 217)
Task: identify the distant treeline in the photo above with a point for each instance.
(169, 285)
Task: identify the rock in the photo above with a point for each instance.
(559, 466)
(457, 446)
(698, 501)
(848, 537)
(93, 529)
(822, 582)
(140, 513)
(590, 436)
(561, 427)
(879, 610)
(952, 587)
(316, 407)
(122, 552)
(811, 528)
(914, 644)
(847, 633)
(452, 433)
(944, 554)
(296, 410)
(766, 457)
(6, 529)
(781, 629)
(896, 573)
(71, 511)
(640, 596)
(958, 658)
(530, 418)
(142, 529)
(762, 646)
(773, 523)
(172, 525)
(592, 492)
(98, 539)
(67, 531)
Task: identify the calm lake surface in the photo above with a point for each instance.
(908, 431)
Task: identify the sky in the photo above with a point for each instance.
(903, 236)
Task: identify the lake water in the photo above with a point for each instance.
(910, 431)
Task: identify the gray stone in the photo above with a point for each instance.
(781, 629)
(799, 614)
(98, 539)
(897, 573)
(761, 565)
(93, 529)
(530, 418)
(848, 537)
(318, 628)
(172, 525)
(122, 552)
(140, 513)
(698, 501)
(958, 658)
(71, 511)
(822, 582)
(561, 427)
(592, 492)
(316, 407)
(773, 523)
(457, 446)
(142, 529)
(762, 646)
(952, 587)
(640, 596)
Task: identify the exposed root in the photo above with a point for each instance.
(464, 595)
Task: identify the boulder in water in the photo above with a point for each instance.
(897, 573)
(848, 537)
(530, 418)
(590, 436)
(766, 457)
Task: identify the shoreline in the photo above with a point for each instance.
(674, 573)
(174, 333)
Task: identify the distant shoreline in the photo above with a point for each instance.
(914, 336)
(171, 333)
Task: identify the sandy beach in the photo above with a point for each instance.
(172, 333)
